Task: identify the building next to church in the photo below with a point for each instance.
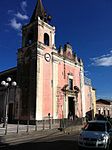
(104, 107)
(90, 96)
(49, 80)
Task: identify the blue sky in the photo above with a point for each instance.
(85, 24)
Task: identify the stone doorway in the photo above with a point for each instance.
(71, 107)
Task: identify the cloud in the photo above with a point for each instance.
(23, 5)
(21, 16)
(18, 18)
(10, 11)
(15, 25)
(87, 73)
(104, 60)
(20, 34)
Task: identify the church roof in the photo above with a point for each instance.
(104, 101)
(12, 72)
(39, 11)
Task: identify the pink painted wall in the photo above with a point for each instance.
(63, 81)
(47, 85)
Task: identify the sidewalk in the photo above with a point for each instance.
(26, 137)
(14, 128)
(13, 138)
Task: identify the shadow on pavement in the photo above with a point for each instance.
(2, 143)
(60, 145)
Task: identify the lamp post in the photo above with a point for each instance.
(7, 84)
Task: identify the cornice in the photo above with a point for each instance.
(42, 23)
(66, 60)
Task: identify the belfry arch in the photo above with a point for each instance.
(46, 39)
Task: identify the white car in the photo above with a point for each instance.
(96, 134)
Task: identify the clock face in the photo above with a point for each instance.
(47, 57)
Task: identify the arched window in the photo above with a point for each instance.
(99, 111)
(46, 39)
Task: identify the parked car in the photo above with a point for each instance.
(96, 134)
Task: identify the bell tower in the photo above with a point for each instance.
(38, 42)
(38, 29)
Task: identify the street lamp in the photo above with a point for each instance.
(7, 84)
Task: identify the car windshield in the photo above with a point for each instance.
(95, 126)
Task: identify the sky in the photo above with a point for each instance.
(85, 24)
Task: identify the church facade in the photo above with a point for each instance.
(49, 80)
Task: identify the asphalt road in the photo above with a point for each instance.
(65, 142)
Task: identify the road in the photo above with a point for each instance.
(63, 142)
